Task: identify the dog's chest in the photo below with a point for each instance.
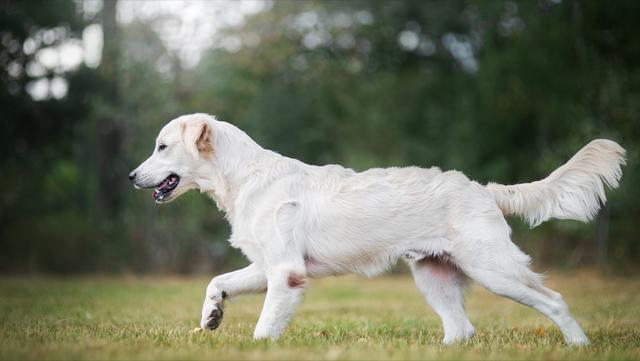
(251, 249)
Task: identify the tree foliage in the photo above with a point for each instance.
(503, 91)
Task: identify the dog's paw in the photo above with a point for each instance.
(459, 336)
(578, 340)
(263, 335)
(211, 316)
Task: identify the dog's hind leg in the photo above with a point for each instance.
(442, 284)
(527, 290)
(495, 262)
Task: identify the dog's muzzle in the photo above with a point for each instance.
(162, 190)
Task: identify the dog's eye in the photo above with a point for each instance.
(161, 147)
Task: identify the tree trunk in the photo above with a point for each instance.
(111, 172)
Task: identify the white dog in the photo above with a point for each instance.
(294, 221)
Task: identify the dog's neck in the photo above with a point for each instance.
(240, 169)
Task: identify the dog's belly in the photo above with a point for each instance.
(369, 258)
(364, 264)
(317, 269)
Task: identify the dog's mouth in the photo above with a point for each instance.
(163, 190)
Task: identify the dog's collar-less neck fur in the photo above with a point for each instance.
(240, 167)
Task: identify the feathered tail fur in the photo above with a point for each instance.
(573, 191)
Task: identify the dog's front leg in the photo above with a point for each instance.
(250, 279)
(286, 283)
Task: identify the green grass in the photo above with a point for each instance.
(341, 318)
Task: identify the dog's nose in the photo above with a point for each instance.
(132, 176)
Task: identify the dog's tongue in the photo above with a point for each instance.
(158, 190)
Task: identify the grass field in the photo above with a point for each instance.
(341, 318)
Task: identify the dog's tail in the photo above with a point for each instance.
(573, 191)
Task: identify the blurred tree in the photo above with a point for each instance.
(111, 169)
(37, 134)
(505, 91)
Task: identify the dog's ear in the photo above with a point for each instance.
(196, 135)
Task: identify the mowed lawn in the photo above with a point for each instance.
(340, 318)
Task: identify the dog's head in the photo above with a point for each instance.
(181, 156)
